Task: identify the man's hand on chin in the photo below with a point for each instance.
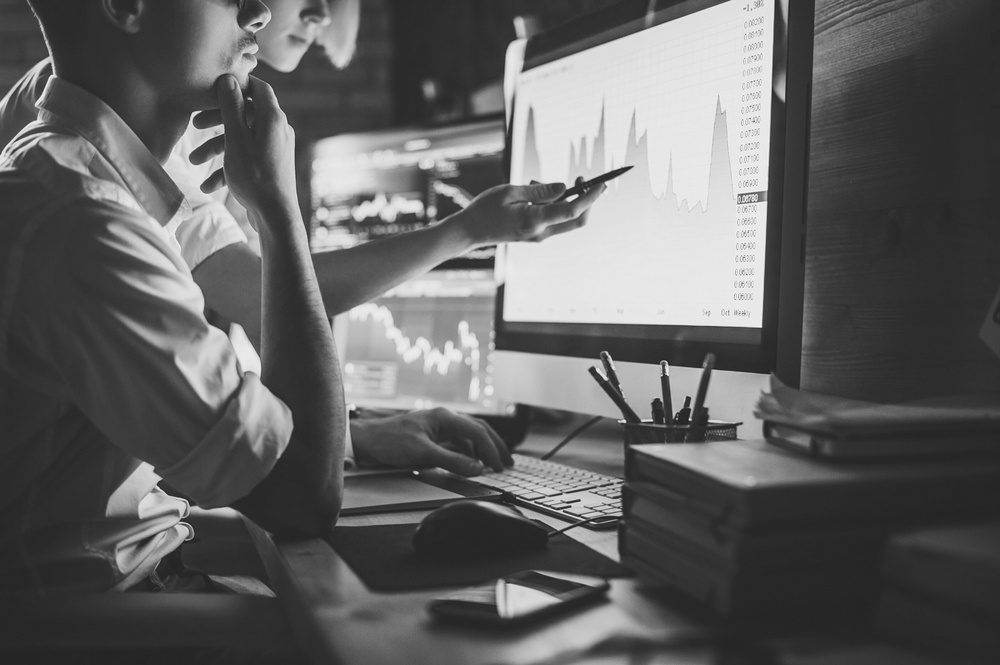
(431, 438)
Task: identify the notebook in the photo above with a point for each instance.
(386, 491)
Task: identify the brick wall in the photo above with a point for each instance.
(460, 45)
(318, 99)
(21, 42)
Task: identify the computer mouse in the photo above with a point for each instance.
(471, 528)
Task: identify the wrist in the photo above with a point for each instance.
(457, 233)
(358, 429)
(276, 218)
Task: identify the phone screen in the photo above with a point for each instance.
(518, 597)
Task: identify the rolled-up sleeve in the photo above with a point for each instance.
(108, 313)
(210, 228)
(239, 451)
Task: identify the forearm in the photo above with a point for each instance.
(298, 357)
(356, 275)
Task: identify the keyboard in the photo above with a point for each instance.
(559, 490)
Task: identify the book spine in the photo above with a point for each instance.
(807, 596)
(728, 546)
(659, 566)
(695, 490)
(640, 502)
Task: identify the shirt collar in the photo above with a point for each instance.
(69, 105)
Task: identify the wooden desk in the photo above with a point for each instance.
(338, 620)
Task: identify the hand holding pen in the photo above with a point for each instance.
(523, 213)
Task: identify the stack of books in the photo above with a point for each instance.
(758, 532)
(839, 428)
(941, 590)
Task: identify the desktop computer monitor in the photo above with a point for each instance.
(366, 186)
(699, 248)
(425, 343)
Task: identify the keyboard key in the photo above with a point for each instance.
(557, 489)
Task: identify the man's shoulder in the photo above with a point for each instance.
(17, 108)
(48, 167)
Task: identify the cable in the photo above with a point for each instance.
(572, 435)
(575, 524)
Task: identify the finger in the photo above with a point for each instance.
(538, 193)
(206, 119)
(573, 208)
(214, 182)
(501, 446)
(231, 103)
(562, 227)
(213, 147)
(497, 440)
(460, 446)
(475, 432)
(454, 462)
(264, 100)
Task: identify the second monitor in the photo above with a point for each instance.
(429, 341)
(371, 185)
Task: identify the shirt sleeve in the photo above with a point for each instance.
(111, 317)
(210, 228)
(349, 460)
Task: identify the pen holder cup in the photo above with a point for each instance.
(649, 432)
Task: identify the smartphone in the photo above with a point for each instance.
(519, 598)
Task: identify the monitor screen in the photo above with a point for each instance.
(698, 247)
(426, 343)
(371, 185)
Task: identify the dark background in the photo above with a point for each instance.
(903, 247)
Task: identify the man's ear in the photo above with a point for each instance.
(124, 14)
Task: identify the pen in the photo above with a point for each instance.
(659, 418)
(683, 416)
(698, 412)
(609, 369)
(706, 374)
(668, 406)
(583, 187)
(629, 415)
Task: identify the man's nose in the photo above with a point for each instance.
(254, 16)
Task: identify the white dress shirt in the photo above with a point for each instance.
(109, 373)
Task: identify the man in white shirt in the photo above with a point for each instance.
(219, 245)
(222, 250)
(110, 376)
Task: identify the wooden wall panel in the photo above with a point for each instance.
(903, 244)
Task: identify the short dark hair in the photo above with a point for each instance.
(61, 21)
